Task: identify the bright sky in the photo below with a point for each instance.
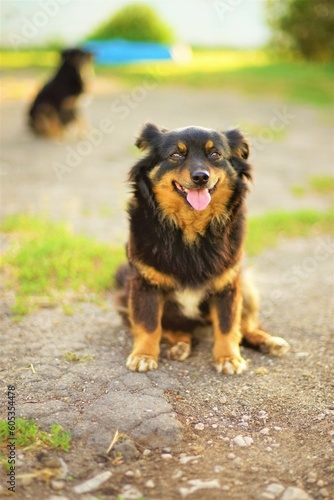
(236, 23)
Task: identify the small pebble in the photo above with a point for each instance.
(92, 484)
(150, 484)
(231, 456)
(177, 474)
(199, 427)
(243, 440)
(265, 431)
(214, 426)
(218, 468)
(26, 481)
(146, 453)
(185, 460)
(57, 485)
(324, 492)
(129, 473)
(293, 493)
(56, 497)
(267, 496)
(166, 456)
(275, 488)
(311, 477)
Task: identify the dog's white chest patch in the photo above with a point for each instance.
(189, 300)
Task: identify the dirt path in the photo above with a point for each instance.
(263, 435)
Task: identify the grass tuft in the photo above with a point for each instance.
(322, 184)
(266, 230)
(28, 435)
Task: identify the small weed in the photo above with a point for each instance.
(68, 309)
(75, 358)
(28, 434)
(298, 191)
(57, 438)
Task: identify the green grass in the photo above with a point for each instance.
(28, 435)
(321, 185)
(254, 72)
(267, 230)
(249, 72)
(47, 260)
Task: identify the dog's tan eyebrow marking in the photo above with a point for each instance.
(209, 145)
(182, 147)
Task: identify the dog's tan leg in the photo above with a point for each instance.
(181, 344)
(226, 316)
(145, 310)
(269, 344)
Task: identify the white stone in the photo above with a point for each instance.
(200, 426)
(92, 484)
(243, 441)
(294, 493)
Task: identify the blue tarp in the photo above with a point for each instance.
(123, 51)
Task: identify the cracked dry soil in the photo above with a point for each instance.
(272, 425)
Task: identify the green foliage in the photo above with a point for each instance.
(28, 434)
(136, 22)
(303, 27)
(47, 259)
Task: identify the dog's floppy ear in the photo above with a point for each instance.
(239, 146)
(238, 143)
(148, 136)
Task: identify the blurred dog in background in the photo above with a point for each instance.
(55, 106)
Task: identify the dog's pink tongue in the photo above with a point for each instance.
(199, 199)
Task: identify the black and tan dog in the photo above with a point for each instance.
(55, 106)
(187, 226)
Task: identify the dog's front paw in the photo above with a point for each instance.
(179, 351)
(141, 363)
(275, 346)
(231, 365)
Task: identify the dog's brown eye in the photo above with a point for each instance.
(176, 156)
(215, 155)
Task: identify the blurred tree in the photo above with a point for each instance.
(303, 27)
(137, 22)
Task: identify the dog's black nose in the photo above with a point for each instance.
(200, 177)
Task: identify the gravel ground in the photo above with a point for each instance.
(265, 434)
